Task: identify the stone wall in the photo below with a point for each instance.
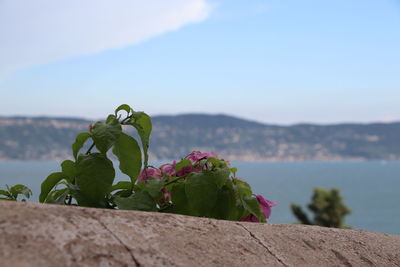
(48, 235)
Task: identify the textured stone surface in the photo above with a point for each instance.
(48, 235)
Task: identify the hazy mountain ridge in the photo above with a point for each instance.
(44, 138)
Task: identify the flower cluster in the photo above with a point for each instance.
(169, 169)
(199, 162)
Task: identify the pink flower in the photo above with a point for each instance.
(250, 218)
(265, 206)
(189, 169)
(150, 173)
(197, 155)
(166, 195)
(169, 169)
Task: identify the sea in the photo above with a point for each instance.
(370, 189)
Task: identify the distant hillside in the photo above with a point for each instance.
(42, 138)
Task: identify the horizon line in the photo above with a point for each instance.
(217, 114)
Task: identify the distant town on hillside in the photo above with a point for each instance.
(173, 137)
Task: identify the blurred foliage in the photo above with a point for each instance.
(328, 209)
(14, 192)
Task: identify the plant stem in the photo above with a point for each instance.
(175, 180)
(126, 119)
(90, 149)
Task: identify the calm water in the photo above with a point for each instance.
(370, 189)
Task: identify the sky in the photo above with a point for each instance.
(273, 61)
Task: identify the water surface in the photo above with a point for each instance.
(370, 189)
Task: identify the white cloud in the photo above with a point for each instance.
(42, 31)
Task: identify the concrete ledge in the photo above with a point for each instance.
(34, 234)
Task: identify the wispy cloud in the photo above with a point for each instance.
(42, 31)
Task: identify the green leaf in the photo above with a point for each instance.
(241, 211)
(234, 171)
(110, 118)
(4, 193)
(125, 107)
(20, 189)
(214, 161)
(129, 155)
(8, 195)
(142, 122)
(49, 183)
(57, 196)
(202, 193)
(252, 206)
(217, 163)
(182, 164)
(61, 197)
(121, 186)
(220, 176)
(242, 188)
(79, 142)
(179, 199)
(139, 201)
(83, 200)
(225, 207)
(153, 187)
(106, 134)
(95, 176)
(123, 193)
(69, 169)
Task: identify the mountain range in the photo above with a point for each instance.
(173, 137)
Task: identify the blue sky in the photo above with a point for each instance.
(274, 61)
